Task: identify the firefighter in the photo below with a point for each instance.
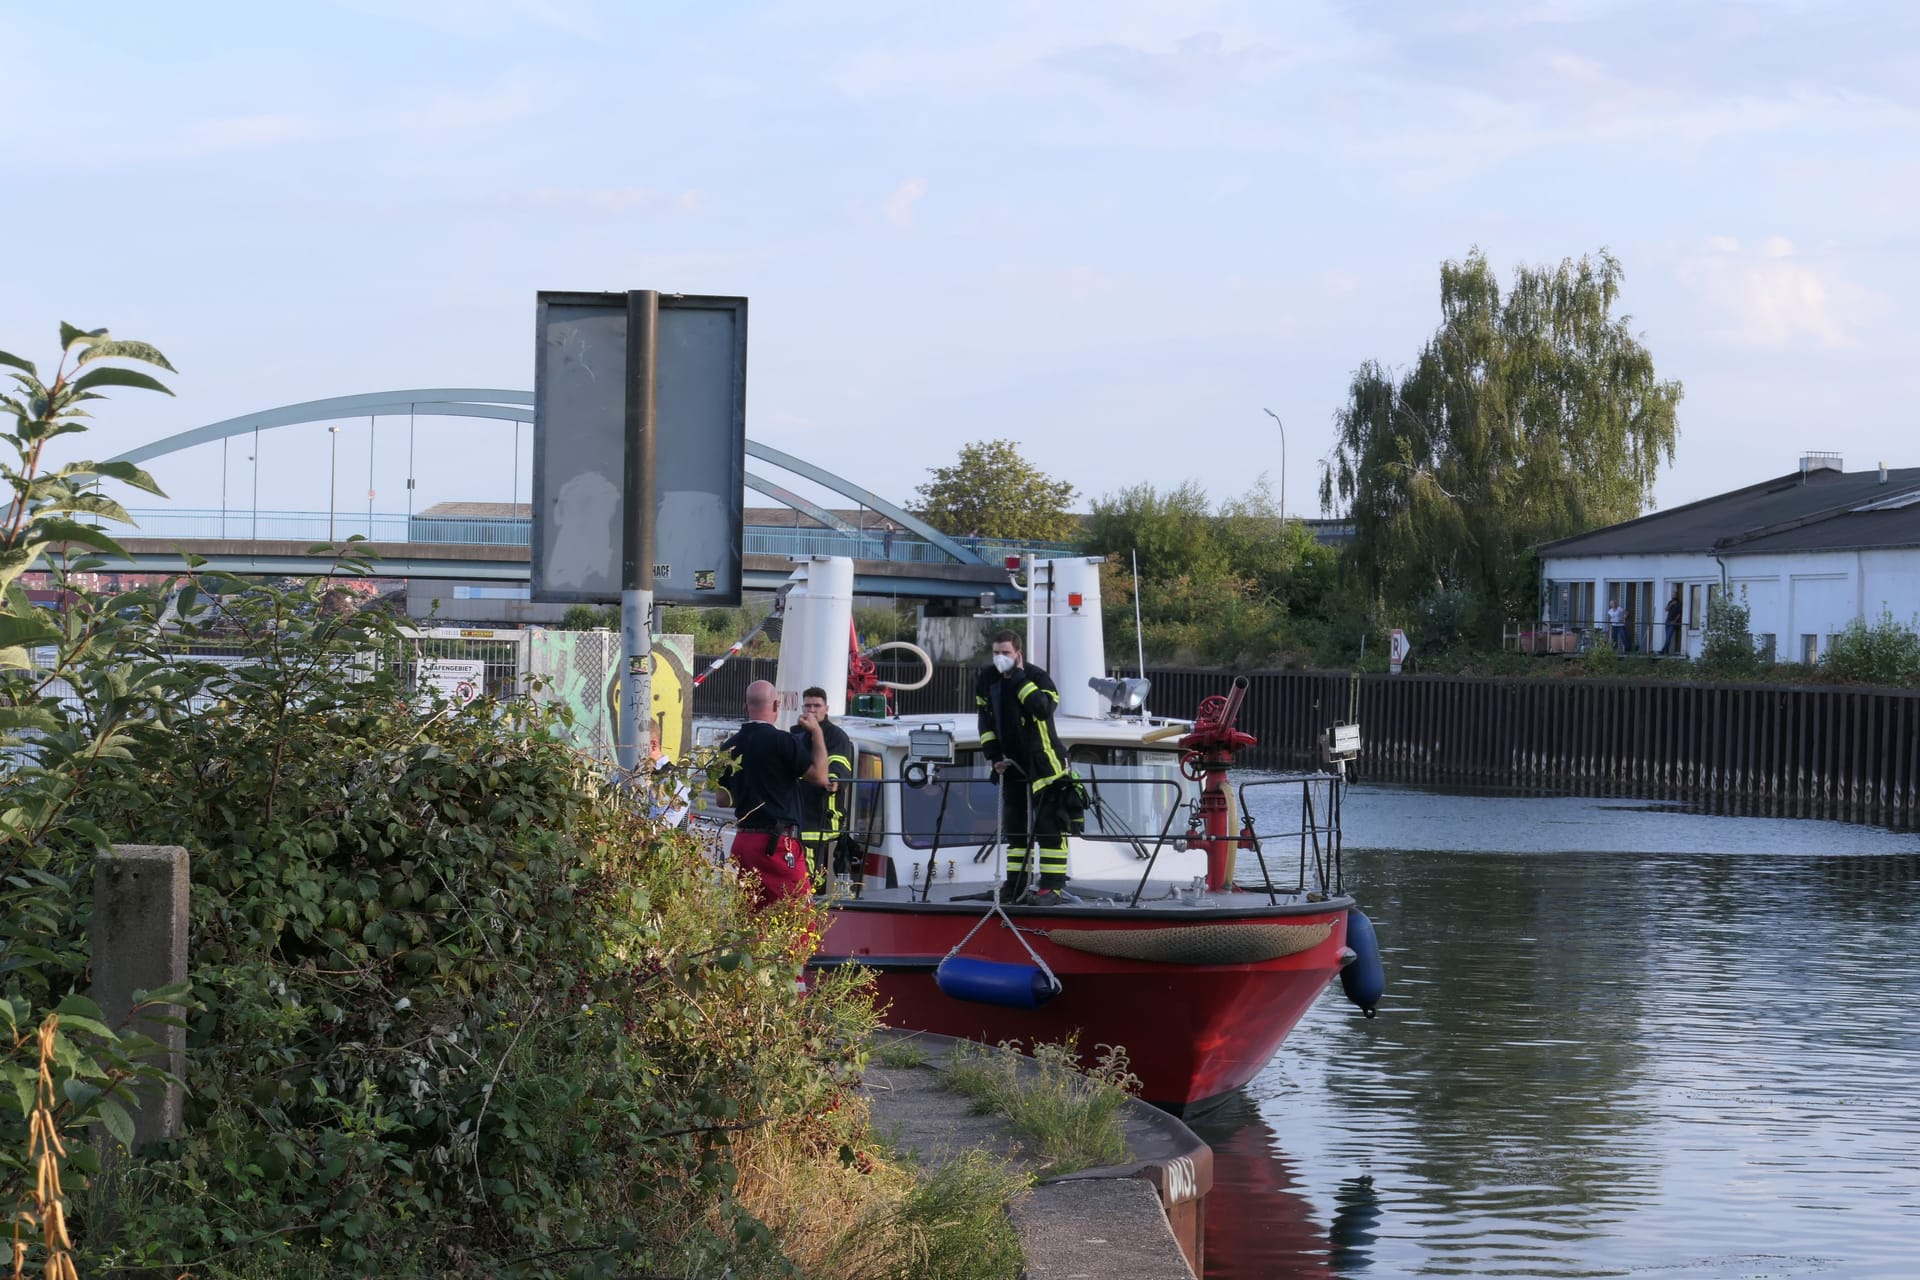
(823, 818)
(1016, 701)
(764, 790)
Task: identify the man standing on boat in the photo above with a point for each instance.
(765, 792)
(1016, 701)
(823, 817)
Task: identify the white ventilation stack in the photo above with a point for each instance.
(1064, 634)
(814, 637)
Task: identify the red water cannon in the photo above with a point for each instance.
(1210, 746)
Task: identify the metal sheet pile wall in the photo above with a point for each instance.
(1851, 754)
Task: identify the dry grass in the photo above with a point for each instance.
(842, 1211)
(46, 1204)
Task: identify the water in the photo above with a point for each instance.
(1618, 1040)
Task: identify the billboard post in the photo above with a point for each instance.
(636, 557)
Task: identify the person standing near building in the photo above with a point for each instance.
(1617, 624)
(1016, 702)
(823, 814)
(764, 789)
(1673, 622)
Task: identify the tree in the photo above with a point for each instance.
(1528, 417)
(992, 491)
(1217, 584)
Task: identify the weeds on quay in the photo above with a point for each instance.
(1070, 1116)
(901, 1053)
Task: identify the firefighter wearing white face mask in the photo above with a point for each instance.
(1016, 702)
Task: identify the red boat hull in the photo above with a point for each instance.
(1192, 1032)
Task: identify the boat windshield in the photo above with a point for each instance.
(972, 814)
(1132, 788)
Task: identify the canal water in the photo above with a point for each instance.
(1619, 1039)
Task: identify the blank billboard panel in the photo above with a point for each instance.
(580, 443)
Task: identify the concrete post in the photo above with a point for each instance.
(140, 944)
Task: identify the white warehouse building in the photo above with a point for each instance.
(1808, 553)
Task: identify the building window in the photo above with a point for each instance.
(1809, 649)
(1570, 603)
(1764, 646)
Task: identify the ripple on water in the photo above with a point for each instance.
(1615, 1042)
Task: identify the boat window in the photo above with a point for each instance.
(867, 819)
(972, 813)
(1132, 789)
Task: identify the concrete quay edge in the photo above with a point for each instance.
(1093, 1224)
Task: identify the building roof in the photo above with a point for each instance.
(478, 511)
(1854, 531)
(1789, 508)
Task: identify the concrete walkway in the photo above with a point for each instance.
(1097, 1224)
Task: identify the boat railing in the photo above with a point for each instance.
(1319, 833)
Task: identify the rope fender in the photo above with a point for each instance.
(1197, 944)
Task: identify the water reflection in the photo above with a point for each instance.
(1691, 1063)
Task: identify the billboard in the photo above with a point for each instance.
(585, 421)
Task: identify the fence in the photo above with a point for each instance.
(516, 531)
(1844, 753)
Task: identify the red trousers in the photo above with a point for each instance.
(776, 865)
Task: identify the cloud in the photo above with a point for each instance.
(479, 19)
(1196, 65)
(1774, 297)
(898, 206)
(511, 99)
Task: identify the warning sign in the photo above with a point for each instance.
(1397, 649)
(455, 680)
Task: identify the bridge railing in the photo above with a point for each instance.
(394, 527)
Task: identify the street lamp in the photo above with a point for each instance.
(333, 478)
(1283, 461)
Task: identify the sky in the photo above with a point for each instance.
(1115, 231)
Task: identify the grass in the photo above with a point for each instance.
(900, 1053)
(861, 1216)
(1069, 1118)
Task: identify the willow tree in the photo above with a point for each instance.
(1527, 416)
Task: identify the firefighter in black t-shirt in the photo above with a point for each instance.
(765, 792)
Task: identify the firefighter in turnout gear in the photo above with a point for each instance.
(823, 818)
(1016, 701)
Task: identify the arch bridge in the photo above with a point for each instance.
(920, 561)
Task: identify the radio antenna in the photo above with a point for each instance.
(1139, 637)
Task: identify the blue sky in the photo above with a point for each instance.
(1112, 231)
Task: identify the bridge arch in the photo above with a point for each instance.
(517, 406)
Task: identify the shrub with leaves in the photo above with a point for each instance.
(1726, 647)
(461, 1009)
(1886, 652)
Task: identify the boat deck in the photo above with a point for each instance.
(1097, 899)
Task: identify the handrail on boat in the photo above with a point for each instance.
(1328, 864)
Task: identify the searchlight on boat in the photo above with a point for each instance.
(1123, 694)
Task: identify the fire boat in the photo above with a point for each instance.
(1191, 938)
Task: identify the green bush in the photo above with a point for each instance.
(1727, 644)
(1887, 652)
(588, 617)
(458, 1008)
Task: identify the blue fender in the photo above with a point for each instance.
(1364, 978)
(1012, 986)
